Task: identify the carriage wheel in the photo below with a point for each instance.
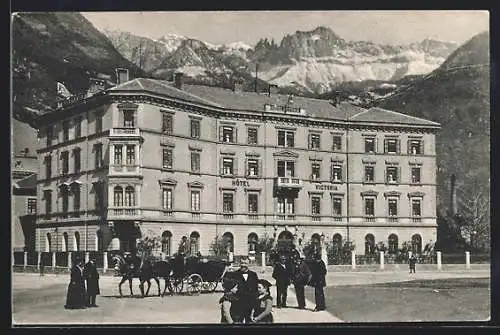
(175, 285)
(194, 284)
(212, 286)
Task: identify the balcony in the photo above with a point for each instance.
(416, 219)
(124, 169)
(316, 218)
(369, 219)
(124, 132)
(123, 212)
(289, 182)
(393, 219)
(253, 217)
(285, 217)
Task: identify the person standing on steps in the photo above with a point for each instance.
(282, 274)
(412, 261)
(301, 277)
(318, 281)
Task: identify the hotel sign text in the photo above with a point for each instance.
(239, 182)
(326, 187)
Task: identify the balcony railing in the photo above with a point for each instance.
(195, 216)
(289, 182)
(125, 131)
(316, 218)
(369, 219)
(124, 211)
(253, 217)
(416, 219)
(285, 217)
(125, 168)
(337, 218)
(393, 219)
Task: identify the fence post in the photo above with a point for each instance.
(53, 260)
(438, 260)
(263, 259)
(70, 265)
(353, 260)
(39, 259)
(381, 260)
(87, 256)
(467, 260)
(105, 262)
(25, 260)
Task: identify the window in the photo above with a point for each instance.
(118, 155)
(130, 154)
(194, 243)
(31, 206)
(98, 156)
(369, 244)
(65, 242)
(370, 144)
(369, 207)
(227, 202)
(228, 135)
(129, 196)
(98, 122)
(99, 241)
(195, 201)
(65, 126)
(166, 243)
(50, 135)
(314, 141)
(48, 244)
(337, 206)
(167, 158)
(47, 195)
(78, 127)
(65, 162)
(195, 162)
(392, 174)
(195, 128)
(393, 243)
(65, 199)
(118, 196)
(415, 147)
(336, 172)
(337, 143)
(253, 203)
(286, 205)
(415, 175)
(253, 167)
(286, 138)
(77, 159)
(315, 205)
(167, 124)
(76, 198)
(315, 168)
(128, 119)
(227, 166)
(416, 207)
(228, 241)
(48, 166)
(393, 207)
(76, 244)
(286, 169)
(391, 146)
(166, 199)
(99, 196)
(253, 241)
(252, 135)
(369, 173)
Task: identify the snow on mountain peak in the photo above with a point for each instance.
(238, 46)
(171, 41)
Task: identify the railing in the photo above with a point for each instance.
(196, 216)
(369, 219)
(316, 218)
(125, 168)
(289, 182)
(285, 217)
(253, 217)
(227, 216)
(337, 218)
(416, 220)
(124, 131)
(126, 211)
(393, 219)
(168, 212)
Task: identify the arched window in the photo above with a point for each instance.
(76, 242)
(118, 196)
(99, 241)
(166, 243)
(369, 244)
(228, 240)
(393, 243)
(48, 243)
(129, 196)
(194, 243)
(316, 238)
(253, 240)
(65, 242)
(416, 243)
(337, 245)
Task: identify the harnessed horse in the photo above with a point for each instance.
(144, 270)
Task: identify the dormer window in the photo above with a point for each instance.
(415, 147)
(228, 134)
(370, 145)
(391, 146)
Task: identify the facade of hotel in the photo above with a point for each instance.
(151, 157)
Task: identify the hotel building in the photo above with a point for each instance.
(152, 157)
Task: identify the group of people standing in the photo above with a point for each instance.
(84, 285)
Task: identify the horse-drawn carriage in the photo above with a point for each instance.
(194, 274)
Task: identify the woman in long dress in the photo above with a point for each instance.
(76, 297)
(263, 308)
(227, 309)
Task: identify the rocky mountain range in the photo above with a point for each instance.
(306, 62)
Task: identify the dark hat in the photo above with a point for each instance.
(264, 283)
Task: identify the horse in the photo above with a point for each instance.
(144, 270)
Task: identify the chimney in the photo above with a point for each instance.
(453, 195)
(121, 76)
(290, 99)
(336, 99)
(273, 89)
(178, 80)
(237, 86)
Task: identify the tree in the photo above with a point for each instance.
(148, 246)
(265, 244)
(218, 247)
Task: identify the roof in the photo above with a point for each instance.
(26, 183)
(223, 98)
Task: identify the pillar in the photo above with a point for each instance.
(263, 259)
(87, 257)
(53, 259)
(381, 255)
(438, 260)
(353, 260)
(467, 260)
(13, 258)
(105, 262)
(39, 259)
(25, 260)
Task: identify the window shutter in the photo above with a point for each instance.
(408, 147)
(398, 146)
(422, 147)
(385, 176)
(247, 172)
(386, 146)
(331, 172)
(259, 166)
(221, 137)
(399, 174)
(235, 166)
(344, 177)
(221, 166)
(309, 141)
(235, 135)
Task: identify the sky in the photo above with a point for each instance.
(386, 27)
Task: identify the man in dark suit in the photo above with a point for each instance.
(281, 274)
(92, 279)
(247, 292)
(302, 277)
(318, 281)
